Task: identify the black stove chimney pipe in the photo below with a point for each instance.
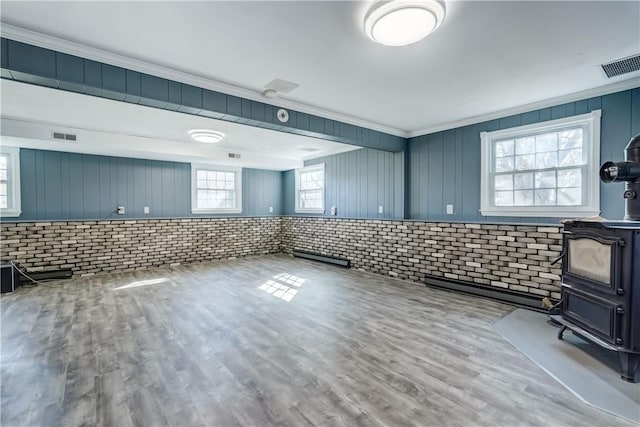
(629, 172)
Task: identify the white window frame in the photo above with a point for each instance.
(313, 168)
(591, 183)
(195, 167)
(14, 208)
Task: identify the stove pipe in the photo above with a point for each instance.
(629, 172)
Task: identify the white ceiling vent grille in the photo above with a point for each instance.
(622, 66)
(234, 155)
(64, 136)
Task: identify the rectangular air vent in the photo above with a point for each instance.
(64, 136)
(622, 66)
(234, 155)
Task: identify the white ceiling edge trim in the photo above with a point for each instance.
(35, 38)
(631, 83)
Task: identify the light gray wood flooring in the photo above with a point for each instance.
(218, 344)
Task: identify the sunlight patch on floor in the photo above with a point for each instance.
(142, 283)
(278, 287)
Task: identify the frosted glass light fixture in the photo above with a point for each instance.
(206, 136)
(403, 22)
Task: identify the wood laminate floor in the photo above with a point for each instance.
(264, 341)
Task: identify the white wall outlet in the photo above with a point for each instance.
(146, 209)
(449, 209)
(334, 210)
(380, 209)
(271, 209)
(120, 210)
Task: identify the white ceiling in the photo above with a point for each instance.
(31, 113)
(487, 57)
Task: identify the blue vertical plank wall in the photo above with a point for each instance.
(357, 183)
(444, 167)
(69, 186)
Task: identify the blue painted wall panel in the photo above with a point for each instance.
(28, 181)
(70, 68)
(456, 159)
(154, 88)
(61, 186)
(75, 186)
(288, 189)
(175, 95)
(133, 83)
(214, 102)
(92, 73)
(31, 59)
(234, 106)
(4, 51)
(356, 183)
(52, 186)
(114, 78)
(91, 185)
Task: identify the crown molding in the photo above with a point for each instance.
(24, 35)
(631, 83)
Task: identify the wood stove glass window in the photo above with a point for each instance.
(590, 258)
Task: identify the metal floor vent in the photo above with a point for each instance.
(622, 66)
(64, 136)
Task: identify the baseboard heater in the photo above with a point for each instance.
(47, 275)
(342, 262)
(506, 295)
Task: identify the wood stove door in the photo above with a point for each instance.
(600, 316)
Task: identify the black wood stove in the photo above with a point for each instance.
(601, 272)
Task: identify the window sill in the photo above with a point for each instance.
(215, 211)
(542, 212)
(10, 213)
(317, 211)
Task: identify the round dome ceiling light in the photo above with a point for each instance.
(206, 136)
(403, 22)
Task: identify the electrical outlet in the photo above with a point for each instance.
(146, 209)
(334, 210)
(271, 209)
(380, 209)
(449, 209)
(120, 210)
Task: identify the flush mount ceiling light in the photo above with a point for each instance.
(206, 136)
(403, 22)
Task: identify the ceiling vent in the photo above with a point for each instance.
(622, 66)
(64, 136)
(234, 155)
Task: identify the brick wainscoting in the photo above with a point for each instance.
(90, 247)
(516, 257)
